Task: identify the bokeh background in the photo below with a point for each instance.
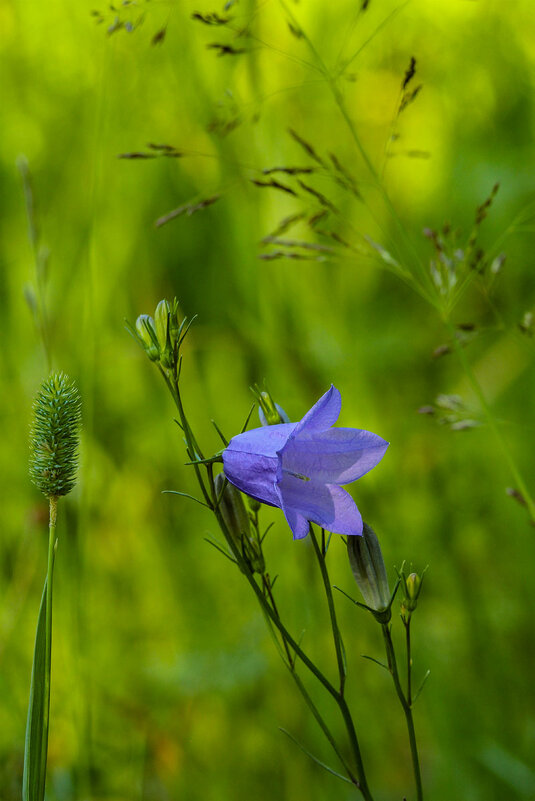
(166, 684)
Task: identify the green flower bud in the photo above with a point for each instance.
(174, 325)
(367, 564)
(270, 413)
(412, 586)
(147, 336)
(237, 521)
(161, 320)
(54, 436)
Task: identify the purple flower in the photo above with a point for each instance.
(299, 467)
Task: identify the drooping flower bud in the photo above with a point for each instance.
(54, 436)
(367, 564)
(237, 522)
(147, 336)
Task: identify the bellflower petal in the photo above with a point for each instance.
(336, 456)
(323, 414)
(253, 474)
(250, 461)
(297, 522)
(299, 467)
(327, 505)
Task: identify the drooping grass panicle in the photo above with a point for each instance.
(54, 436)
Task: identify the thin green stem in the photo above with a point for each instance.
(339, 648)
(393, 669)
(311, 705)
(362, 783)
(409, 660)
(193, 450)
(53, 506)
(491, 421)
(269, 591)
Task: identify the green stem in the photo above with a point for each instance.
(339, 648)
(409, 660)
(393, 669)
(269, 590)
(193, 450)
(493, 425)
(362, 783)
(311, 705)
(53, 506)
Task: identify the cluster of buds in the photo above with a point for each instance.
(411, 586)
(161, 336)
(238, 522)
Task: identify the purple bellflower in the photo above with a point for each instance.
(299, 467)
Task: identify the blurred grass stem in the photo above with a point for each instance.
(40, 257)
(424, 284)
(491, 420)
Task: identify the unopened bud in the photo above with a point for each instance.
(412, 586)
(269, 412)
(147, 335)
(237, 522)
(161, 321)
(367, 564)
(174, 325)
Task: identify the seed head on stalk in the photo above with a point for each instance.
(54, 436)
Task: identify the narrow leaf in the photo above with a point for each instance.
(377, 662)
(185, 495)
(35, 747)
(314, 758)
(420, 688)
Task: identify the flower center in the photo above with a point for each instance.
(295, 475)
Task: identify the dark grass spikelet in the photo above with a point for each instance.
(54, 436)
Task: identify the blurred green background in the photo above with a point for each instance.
(166, 684)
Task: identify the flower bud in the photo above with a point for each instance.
(161, 320)
(269, 412)
(161, 323)
(54, 436)
(174, 325)
(237, 521)
(412, 586)
(369, 570)
(147, 336)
